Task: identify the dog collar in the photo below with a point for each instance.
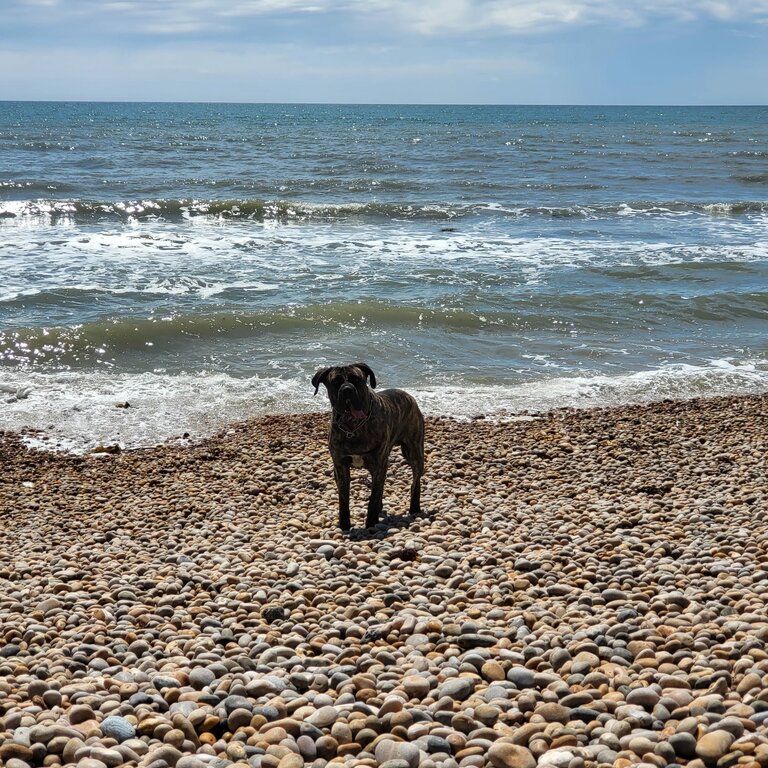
(347, 431)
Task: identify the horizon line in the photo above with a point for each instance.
(384, 103)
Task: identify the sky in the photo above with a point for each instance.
(387, 51)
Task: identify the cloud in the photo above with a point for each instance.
(432, 17)
(421, 18)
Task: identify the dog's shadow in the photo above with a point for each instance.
(385, 526)
(387, 521)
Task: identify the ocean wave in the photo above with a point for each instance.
(101, 341)
(259, 210)
(752, 178)
(188, 334)
(91, 295)
(75, 411)
(70, 276)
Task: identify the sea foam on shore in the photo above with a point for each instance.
(76, 411)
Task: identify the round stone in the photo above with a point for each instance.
(684, 744)
(416, 686)
(325, 717)
(457, 688)
(291, 760)
(239, 718)
(493, 671)
(307, 748)
(521, 677)
(201, 677)
(503, 755)
(12, 749)
(643, 697)
(557, 758)
(713, 745)
(110, 757)
(389, 749)
(190, 761)
(553, 712)
(117, 728)
(90, 762)
(80, 713)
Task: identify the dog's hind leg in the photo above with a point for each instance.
(414, 456)
(341, 475)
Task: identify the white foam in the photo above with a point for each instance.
(679, 382)
(77, 411)
(200, 260)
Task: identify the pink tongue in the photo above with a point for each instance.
(356, 414)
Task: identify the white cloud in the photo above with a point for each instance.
(527, 16)
(419, 17)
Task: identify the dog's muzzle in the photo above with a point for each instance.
(349, 401)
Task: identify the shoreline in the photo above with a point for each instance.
(589, 588)
(77, 412)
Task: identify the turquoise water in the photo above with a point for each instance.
(203, 260)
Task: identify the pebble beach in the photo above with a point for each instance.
(584, 588)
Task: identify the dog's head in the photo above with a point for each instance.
(347, 388)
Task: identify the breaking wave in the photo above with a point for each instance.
(85, 211)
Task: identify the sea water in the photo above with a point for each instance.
(201, 261)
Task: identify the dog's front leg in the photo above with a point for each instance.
(378, 471)
(341, 475)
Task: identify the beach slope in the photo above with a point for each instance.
(585, 588)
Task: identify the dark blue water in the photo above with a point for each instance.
(202, 260)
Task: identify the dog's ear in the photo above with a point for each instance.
(366, 369)
(319, 378)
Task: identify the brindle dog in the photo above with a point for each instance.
(365, 426)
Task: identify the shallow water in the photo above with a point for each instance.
(202, 261)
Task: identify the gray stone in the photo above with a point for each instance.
(457, 688)
(190, 761)
(231, 703)
(684, 744)
(521, 677)
(117, 728)
(168, 754)
(201, 677)
(239, 718)
(325, 717)
(433, 744)
(269, 685)
(643, 697)
(307, 748)
(90, 762)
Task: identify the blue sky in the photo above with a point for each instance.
(412, 51)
